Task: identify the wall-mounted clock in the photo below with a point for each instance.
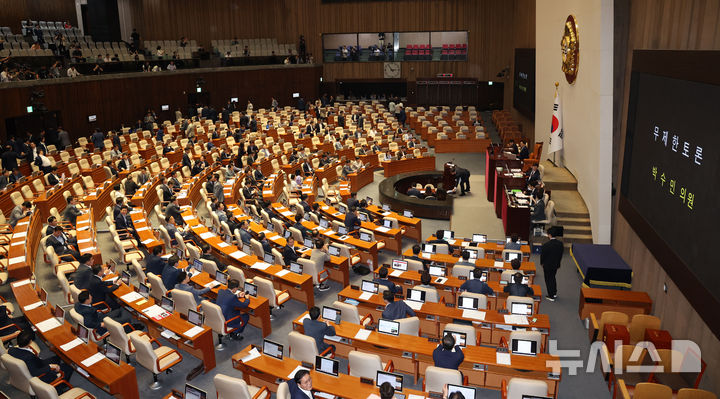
(392, 70)
(570, 46)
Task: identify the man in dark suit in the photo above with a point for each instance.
(512, 147)
(53, 178)
(307, 167)
(207, 255)
(533, 174)
(124, 163)
(94, 320)
(395, 310)
(101, 290)
(231, 302)
(352, 221)
(300, 386)
(71, 211)
(245, 235)
(265, 244)
(475, 285)
(352, 201)
(341, 119)
(154, 263)
(550, 257)
(48, 370)
(517, 288)
(289, 254)
(524, 152)
(257, 175)
(187, 159)
(165, 189)
(123, 222)
(173, 209)
(61, 243)
(447, 354)
(414, 191)
(170, 273)
(303, 202)
(81, 277)
(416, 256)
(463, 179)
(383, 280)
(318, 330)
(119, 202)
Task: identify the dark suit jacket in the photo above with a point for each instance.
(351, 221)
(169, 277)
(91, 317)
(167, 192)
(414, 191)
(318, 330)
(82, 276)
(266, 246)
(59, 247)
(552, 253)
(186, 161)
(174, 211)
(154, 264)
(518, 290)
(36, 366)
(477, 287)
(101, 291)
(524, 153)
(289, 254)
(122, 222)
(53, 179)
(533, 176)
(231, 306)
(295, 392)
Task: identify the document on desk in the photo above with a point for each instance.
(140, 229)
(298, 368)
(362, 334)
(20, 234)
(365, 296)
(16, 259)
(131, 297)
(148, 241)
(414, 305)
(253, 354)
(382, 229)
(465, 244)
(396, 273)
(499, 264)
(329, 232)
(260, 265)
(71, 344)
(33, 306)
(47, 325)
(155, 312)
(93, 359)
(212, 284)
(88, 240)
(267, 192)
(516, 319)
(426, 255)
(473, 314)
(333, 338)
(411, 396)
(324, 395)
(502, 358)
(238, 254)
(193, 331)
(21, 283)
(282, 272)
(287, 213)
(169, 334)
(207, 235)
(223, 244)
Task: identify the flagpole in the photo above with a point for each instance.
(556, 94)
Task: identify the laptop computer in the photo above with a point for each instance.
(369, 286)
(467, 392)
(521, 308)
(396, 380)
(195, 317)
(250, 289)
(389, 327)
(523, 347)
(272, 349)
(296, 268)
(399, 264)
(112, 352)
(192, 392)
(479, 238)
(416, 295)
(467, 302)
(331, 314)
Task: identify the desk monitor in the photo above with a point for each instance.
(250, 289)
(366, 237)
(287, 234)
(125, 277)
(342, 209)
(112, 352)
(479, 238)
(460, 337)
(428, 248)
(386, 207)
(362, 216)
(296, 268)
(396, 380)
(59, 312)
(387, 224)
(521, 308)
(246, 248)
(144, 290)
(83, 333)
(165, 107)
(327, 366)
(369, 286)
(180, 254)
(334, 250)
(448, 235)
(508, 240)
(483, 276)
(509, 256)
(523, 347)
(473, 254)
(407, 214)
(324, 223)
(468, 302)
(167, 304)
(466, 392)
(308, 243)
(416, 295)
(269, 258)
(43, 295)
(306, 216)
(221, 277)
(270, 227)
(525, 280)
(437, 271)
(195, 317)
(197, 265)
(192, 392)
(272, 349)
(342, 230)
(234, 99)
(399, 264)
(390, 327)
(331, 314)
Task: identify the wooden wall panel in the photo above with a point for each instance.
(14, 11)
(671, 25)
(124, 99)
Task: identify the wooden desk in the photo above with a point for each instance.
(259, 307)
(391, 237)
(516, 218)
(53, 198)
(266, 370)
(327, 172)
(361, 178)
(493, 250)
(495, 268)
(85, 235)
(466, 145)
(598, 300)
(393, 168)
(116, 379)
(144, 230)
(200, 345)
(272, 187)
(434, 317)
(412, 226)
(19, 265)
(300, 287)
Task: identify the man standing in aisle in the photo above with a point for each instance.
(552, 253)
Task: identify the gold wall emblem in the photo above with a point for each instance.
(570, 46)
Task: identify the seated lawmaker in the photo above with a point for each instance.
(232, 301)
(447, 354)
(48, 370)
(352, 221)
(170, 273)
(475, 285)
(207, 255)
(289, 254)
(514, 243)
(395, 310)
(383, 280)
(93, 319)
(62, 244)
(318, 330)
(517, 288)
(465, 259)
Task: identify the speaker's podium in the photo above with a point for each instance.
(449, 180)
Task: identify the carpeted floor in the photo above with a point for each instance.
(472, 214)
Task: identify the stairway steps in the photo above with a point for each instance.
(573, 221)
(578, 238)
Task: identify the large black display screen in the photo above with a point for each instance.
(671, 176)
(524, 82)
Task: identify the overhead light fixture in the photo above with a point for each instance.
(490, 83)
